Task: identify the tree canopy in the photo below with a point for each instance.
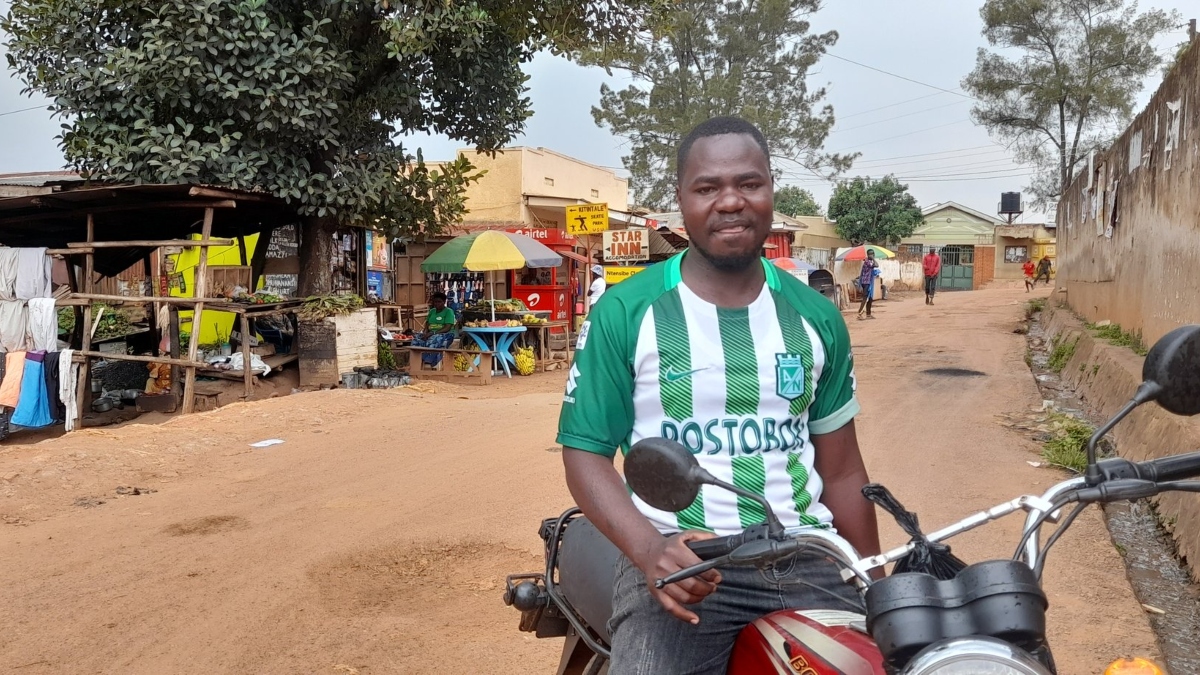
(874, 211)
(1071, 85)
(298, 98)
(795, 201)
(707, 58)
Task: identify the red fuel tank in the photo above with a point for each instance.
(805, 642)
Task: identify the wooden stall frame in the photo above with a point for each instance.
(83, 295)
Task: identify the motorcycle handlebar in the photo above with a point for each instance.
(710, 549)
(1176, 467)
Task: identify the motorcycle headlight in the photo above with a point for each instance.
(973, 656)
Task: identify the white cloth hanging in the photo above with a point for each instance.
(68, 379)
(8, 273)
(43, 325)
(33, 273)
(13, 323)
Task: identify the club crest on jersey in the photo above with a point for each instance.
(789, 376)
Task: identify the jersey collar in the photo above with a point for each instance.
(675, 275)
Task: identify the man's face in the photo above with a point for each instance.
(439, 303)
(726, 200)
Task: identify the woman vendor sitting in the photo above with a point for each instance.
(439, 329)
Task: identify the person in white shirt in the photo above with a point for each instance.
(598, 286)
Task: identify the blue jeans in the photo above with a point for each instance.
(649, 641)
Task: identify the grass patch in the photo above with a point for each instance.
(1119, 337)
(1068, 441)
(1034, 306)
(1061, 354)
(1028, 357)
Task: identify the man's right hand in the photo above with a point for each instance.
(669, 555)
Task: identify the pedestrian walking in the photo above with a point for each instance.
(866, 279)
(933, 267)
(1043, 270)
(1027, 268)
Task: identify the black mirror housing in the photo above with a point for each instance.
(663, 474)
(1172, 367)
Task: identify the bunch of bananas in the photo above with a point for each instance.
(462, 363)
(525, 361)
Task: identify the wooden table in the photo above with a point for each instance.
(246, 313)
(540, 332)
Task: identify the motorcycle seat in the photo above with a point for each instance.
(587, 570)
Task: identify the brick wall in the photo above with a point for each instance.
(985, 266)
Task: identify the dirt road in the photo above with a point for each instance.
(375, 539)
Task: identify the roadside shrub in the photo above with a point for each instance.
(1117, 336)
(1061, 354)
(1068, 442)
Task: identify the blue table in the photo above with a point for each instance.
(499, 340)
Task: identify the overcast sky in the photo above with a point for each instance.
(924, 135)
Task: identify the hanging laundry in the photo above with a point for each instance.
(51, 374)
(10, 387)
(43, 325)
(33, 409)
(33, 273)
(14, 317)
(5, 413)
(8, 273)
(68, 379)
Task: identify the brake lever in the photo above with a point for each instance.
(755, 552)
(689, 572)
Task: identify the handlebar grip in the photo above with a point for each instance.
(1178, 467)
(709, 549)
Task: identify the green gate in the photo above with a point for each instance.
(958, 268)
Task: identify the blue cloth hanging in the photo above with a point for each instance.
(33, 408)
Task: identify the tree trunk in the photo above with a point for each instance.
(316, 255)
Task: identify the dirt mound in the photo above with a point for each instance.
(407, 578)
(206, 525)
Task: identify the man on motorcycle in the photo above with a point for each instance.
(752, 371)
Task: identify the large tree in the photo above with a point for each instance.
(874, 211)
(300, 98)
(720, 57)
(1065, 81)
(795, 201)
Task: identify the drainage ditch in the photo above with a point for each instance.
(1159, 580)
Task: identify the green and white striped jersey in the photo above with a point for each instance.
(743, 389)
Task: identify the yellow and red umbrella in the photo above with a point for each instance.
(489, 251)
(860, 253)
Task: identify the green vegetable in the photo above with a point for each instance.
(318, 307)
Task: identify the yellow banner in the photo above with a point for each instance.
(615, 275)
(587, 218)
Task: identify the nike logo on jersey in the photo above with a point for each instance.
(673, 376)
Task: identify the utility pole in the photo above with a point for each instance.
(1192, 30)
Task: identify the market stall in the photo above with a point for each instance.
(491, 325)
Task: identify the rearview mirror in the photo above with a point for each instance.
(663, 473)
(1173, 368)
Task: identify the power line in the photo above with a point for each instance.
(14, 112)
(906, 79)
(953, 158)
(911, 133)
(885, 107)
(965, 173)
(891, 119)
(942, 152)
(955, 180)
(949, 162)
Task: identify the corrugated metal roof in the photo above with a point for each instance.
(39, 179)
